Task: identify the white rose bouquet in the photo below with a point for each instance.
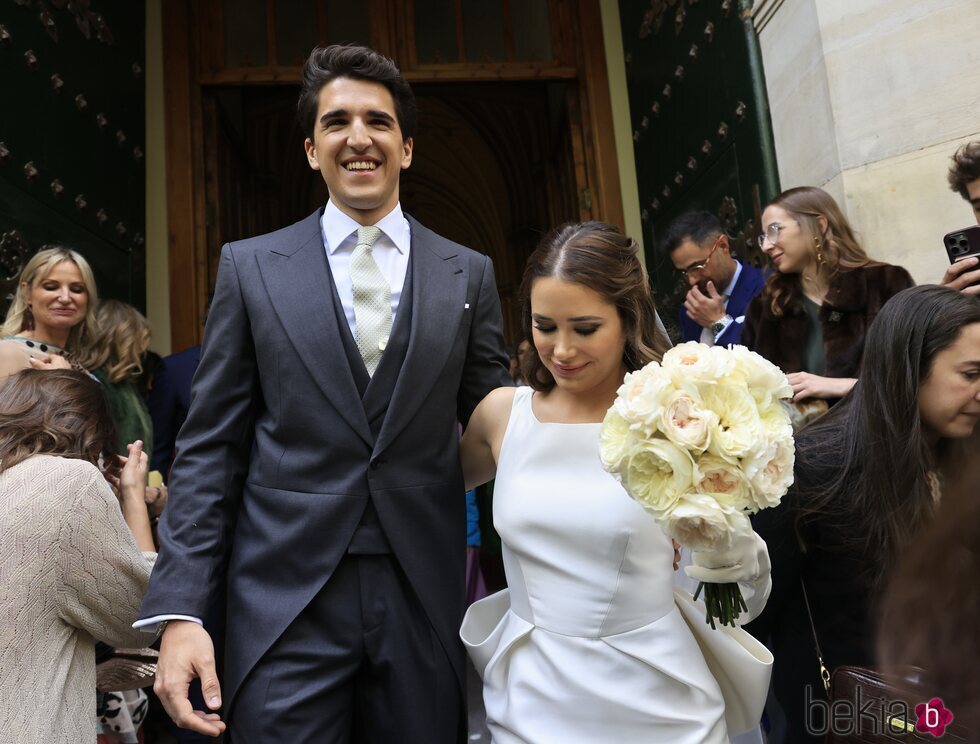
(702, 440)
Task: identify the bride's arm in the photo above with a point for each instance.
(481, 441)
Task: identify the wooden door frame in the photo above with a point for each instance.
(192, 52)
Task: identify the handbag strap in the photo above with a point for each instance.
(824, 672)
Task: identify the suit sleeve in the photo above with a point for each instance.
(732, 334)
(212, 461)
(485, 367)
(162, 404)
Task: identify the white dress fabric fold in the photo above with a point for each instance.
(586, 644)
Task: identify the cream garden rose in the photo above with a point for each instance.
(640, 399)
(765, 381)
(739, 432)
(724, 482)
(770, 472)
(697, 362)
(685, 421)
(658, 473)
(701, 522)
(616, 442)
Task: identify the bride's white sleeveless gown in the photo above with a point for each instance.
(592, 648)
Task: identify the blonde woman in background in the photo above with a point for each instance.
(51, 322)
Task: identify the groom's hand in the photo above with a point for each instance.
(186, 652)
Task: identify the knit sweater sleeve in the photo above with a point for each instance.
(103, 573)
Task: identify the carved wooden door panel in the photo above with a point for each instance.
(72, 165)
(701, 130)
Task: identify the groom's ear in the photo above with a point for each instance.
(407, 147)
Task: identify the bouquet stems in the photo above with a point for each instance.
(723, 602)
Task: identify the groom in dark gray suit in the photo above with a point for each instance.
(318, 467)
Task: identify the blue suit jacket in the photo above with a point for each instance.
(749, 284)
(169, 400)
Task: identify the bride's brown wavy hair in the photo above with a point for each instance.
(840, 249)
(598, 256)
(55, 412)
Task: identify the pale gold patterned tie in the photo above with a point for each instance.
(372, 299)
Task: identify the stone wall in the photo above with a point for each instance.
(869, 98)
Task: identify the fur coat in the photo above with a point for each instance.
(852, 303)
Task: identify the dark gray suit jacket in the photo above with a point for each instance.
(277, 459)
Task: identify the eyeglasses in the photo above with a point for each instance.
(771, 234)
(699, 267)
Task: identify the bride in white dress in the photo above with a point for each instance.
(586, 645)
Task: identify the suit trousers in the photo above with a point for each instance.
(360, 664)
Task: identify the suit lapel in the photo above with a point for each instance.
(297, 278)
(439, 281)
(738, 300)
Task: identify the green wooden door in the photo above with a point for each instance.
(72, 138)
(701, 130)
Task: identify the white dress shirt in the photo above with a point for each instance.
(391, 251)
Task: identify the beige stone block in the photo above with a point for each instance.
(799, 96)
(902, 74)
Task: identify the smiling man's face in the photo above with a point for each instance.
(358, 148)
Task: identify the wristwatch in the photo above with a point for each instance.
(720, 325)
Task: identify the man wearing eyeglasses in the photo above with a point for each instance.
(721, 287)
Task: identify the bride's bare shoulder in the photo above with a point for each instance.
(495, 407)
(502, 396)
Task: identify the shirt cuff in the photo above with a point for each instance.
(152, 624)
(728, 320)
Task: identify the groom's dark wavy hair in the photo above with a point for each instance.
(326, 64)
(597, 256)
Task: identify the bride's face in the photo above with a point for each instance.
(578, 335)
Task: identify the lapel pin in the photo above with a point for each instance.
(466, 306)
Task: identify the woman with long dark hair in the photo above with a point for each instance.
(587, 645)
(868, 476)
(812, 315)
(75, 556)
